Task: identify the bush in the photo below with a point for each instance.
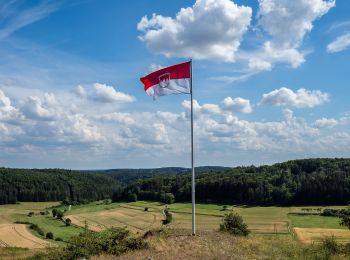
(54, 213)
(329, 246)
(233, 223)
(68, 222)
(114, 241)
(37, 229)
(58, 239)
(168, 217)
(49, 235)
(59, 214)
(146, 209)
(169, 198)
(30, 214)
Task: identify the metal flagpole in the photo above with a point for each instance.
(192, 164)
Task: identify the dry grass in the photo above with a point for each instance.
(217, 245)
(311, 235)
(17, 235)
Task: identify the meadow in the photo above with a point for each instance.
(290, 223)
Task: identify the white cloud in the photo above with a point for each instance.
(325, 122)
(300, 99)
(33, 108)
(238, 104)
(161, 137)
(208, 30)
(287, 22)
(257, 64)
(339, 44)
(154, 67)
(4, 100)
(80, 91)
(108, 94)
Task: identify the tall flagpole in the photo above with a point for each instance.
(192, 164)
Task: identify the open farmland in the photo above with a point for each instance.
(96, 216)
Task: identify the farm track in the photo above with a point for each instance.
(24, 237)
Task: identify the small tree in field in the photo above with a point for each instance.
(59, 214)
(68, 222)
(54, 213)
(233, 223)
(345, 221)
(169, 198)
(49, 235)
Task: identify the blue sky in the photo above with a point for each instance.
(270, 82)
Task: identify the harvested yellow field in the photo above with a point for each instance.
(17, 235)
(310, 235)
(134, 219)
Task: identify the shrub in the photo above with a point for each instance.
(345, 221)
(30, 214)
(37, 229)
(40, 231)
(224, 208)
(329, 246)
(68, 222)
(49, 235)
(114, 241)
(168, 217)
(59, 214)
(146, 209)
(58, 239)
(233, 223)
(169, 198)
(54, 213)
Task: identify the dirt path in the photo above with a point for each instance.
(17, 235)
(310, 235)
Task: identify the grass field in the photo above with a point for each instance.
(262, 221)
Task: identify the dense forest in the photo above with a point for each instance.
(128, 176)
(54, 185)
(309, 181)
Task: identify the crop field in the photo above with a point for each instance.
(142, 216)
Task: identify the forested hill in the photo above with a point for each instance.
(54, 185)
(309, 181)
(128, 176)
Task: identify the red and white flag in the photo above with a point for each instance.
(175, 79)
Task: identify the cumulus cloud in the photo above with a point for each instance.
(339, 44)
(257, 64)
(33, 108)
(287, 22)
(151, 138)
(302, 98)
(208, 30)
(325, 122)
(80, 91)
(107, 94)
(238, 104)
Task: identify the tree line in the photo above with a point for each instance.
(54, 185)
(308, 181)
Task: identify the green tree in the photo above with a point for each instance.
(49, 235)
(169, 198)
(68, 222)
(233, 223)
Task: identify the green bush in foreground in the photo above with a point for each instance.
(49, 235)
(233, 223)
(113, 241)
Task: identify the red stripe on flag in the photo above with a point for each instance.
(178, 71)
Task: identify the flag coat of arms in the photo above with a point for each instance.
(175, 79)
